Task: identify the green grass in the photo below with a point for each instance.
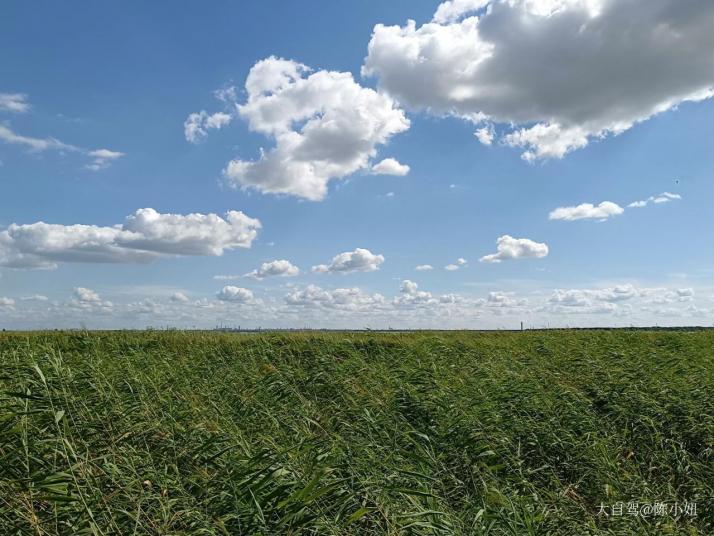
(424, 433)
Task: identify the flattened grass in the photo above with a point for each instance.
(344, 433)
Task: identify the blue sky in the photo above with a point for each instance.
(95, 103)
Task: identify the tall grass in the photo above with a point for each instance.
(496, 433)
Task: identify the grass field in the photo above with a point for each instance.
(355, 433)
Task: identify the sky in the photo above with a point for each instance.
(470, 164)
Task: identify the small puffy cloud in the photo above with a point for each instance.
(14, 102)
(144, 236)
(485, 135)
(547, 140)
(7, 303)
(557, 74)
(235, 295)
(411, 296)
(585, 211)
(424, 268)
(460, 262)
(88, 300)
(408, 287)
(325, 126)
(86, 295)
(664, 197)
(516, 248)
(282, 268)
(390, 166)
(359, 260)
(102, 158)
(179, 297)
(198, 124)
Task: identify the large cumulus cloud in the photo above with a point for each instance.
(325, 126)
(554, 74)
(144, 236)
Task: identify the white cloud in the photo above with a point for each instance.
(557, 73)
(662, 296)
(408, 287)
(88, 300)
(616, 294)
(596, 301)
(359, 260)
(228, 94)
(282, 268)
(505, 300)
(86, 295)
(352, 299)
(485, 135)
(144, 236)
(460, 262)
(547, 140)
(411, 296)
(35, 297)
(390, 166)
(685, 293)
(354, 307)
(424, 268)
(664, 197)
(570, 298)
(516, 248)
(198, 124)
(34, 144)
(102, 158)
(235, 295)
(454, 9)
(14, 102)
(179, 297)
(226, 277)
(587, 211)
(325, 127)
